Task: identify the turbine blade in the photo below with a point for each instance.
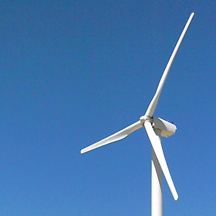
(157, 147)
(153, 104)
(115, 137)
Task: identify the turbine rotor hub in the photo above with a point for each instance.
(144, 118)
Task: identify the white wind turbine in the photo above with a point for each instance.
(155, 128)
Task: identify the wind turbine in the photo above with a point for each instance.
(155, 128)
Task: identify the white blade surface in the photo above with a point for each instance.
(115, 137)
(153, 104)
(157, 147)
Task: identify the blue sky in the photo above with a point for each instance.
(74, 72)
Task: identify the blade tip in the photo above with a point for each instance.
(176, 197)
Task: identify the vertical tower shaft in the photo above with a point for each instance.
(156, 184)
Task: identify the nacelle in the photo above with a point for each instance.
(167, 128)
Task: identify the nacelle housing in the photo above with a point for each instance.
(167, 128)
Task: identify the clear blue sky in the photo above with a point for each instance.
(74, 72)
